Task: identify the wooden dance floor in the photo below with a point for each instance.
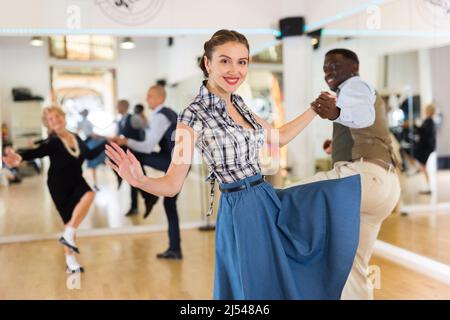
(125, 267)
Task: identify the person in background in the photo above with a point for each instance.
(328, 146)
(426, 144)
(126, 130)
(159, 132)
(12, 173)
(139, 119)
(71, 194)
(92, 140)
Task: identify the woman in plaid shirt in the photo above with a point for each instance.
(297, 243)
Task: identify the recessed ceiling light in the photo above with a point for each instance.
(127, 43)
(36, 42)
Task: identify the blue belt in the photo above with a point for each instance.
(242, 187)
(236, 188)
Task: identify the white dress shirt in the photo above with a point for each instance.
(86, 127)
(356, 99)
(157, 126)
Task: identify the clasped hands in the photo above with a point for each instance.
(11, 158)
(325, 106)
(121, 141)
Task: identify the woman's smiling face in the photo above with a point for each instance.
(228, 66)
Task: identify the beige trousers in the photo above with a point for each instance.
(380, 194)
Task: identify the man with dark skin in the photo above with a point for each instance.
(361, 145)
(337, 69)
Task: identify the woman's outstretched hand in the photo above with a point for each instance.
(11, 158)
(125, 164)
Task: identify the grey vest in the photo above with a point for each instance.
(373, 142)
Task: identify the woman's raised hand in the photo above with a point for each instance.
(125, 164)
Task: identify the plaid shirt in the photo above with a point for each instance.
(230, 151)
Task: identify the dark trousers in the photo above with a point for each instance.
(134, 198)
(161, 162)
(170, 206)
(134, 193)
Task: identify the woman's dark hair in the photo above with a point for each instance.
(219, 38)
(139, 108)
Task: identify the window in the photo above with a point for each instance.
(82, 47)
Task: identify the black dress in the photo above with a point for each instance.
(427, 141)
(65, 176)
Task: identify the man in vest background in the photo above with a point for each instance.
(125, 128)
(361, 145)
(160, 131)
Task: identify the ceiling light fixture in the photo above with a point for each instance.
(127, 43)
(36, 42)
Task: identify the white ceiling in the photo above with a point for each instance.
(204, 16)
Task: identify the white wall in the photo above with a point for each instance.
(403, 72)
(184, 93)
(182, 58)
(136, 70)
(441, 79)
(22, 66)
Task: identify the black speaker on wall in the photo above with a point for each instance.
(292, 26)
(161, 82)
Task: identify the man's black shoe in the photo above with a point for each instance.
(132, 212)
(169, 254)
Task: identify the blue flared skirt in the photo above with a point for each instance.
(91, 144)
(296, 243)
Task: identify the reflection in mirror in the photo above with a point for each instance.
(87, 76)
(415, 90)
(36, 77)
